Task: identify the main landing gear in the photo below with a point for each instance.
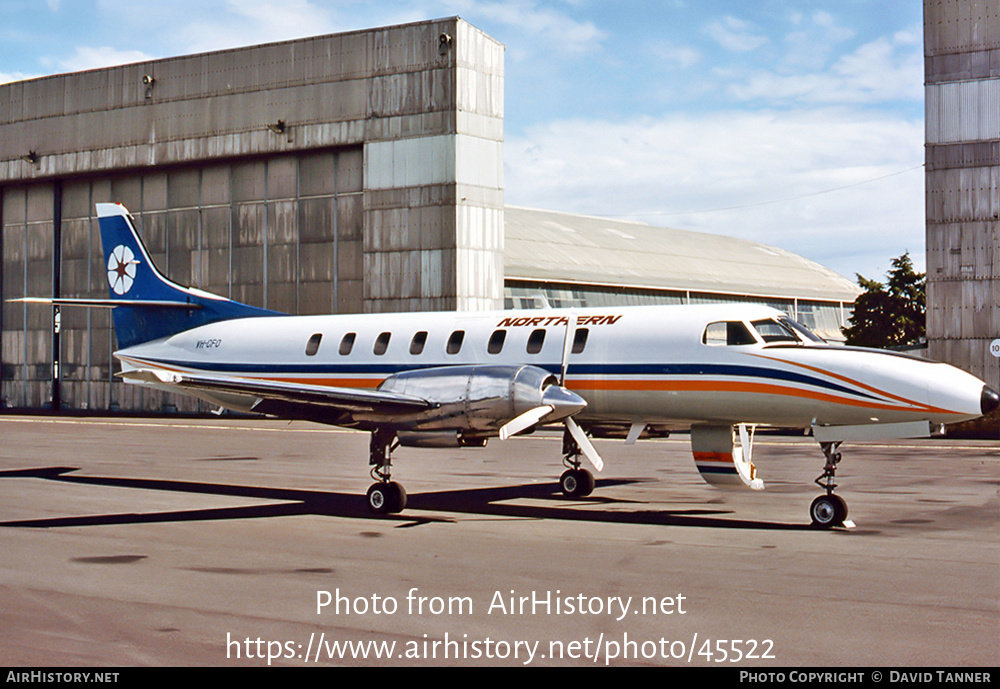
(828, 510)
(575, 481)
(385, 496)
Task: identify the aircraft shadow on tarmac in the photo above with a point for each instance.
(479, 501)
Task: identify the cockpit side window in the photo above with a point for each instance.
(802, 331)
(727, 334)
(772, 331)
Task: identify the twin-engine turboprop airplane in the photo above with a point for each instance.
(460, 379)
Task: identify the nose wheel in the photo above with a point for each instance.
(830, 510)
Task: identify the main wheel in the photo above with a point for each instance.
(576, 483)
(386, 497)
(828, 511)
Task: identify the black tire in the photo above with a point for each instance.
(400, 497)
(386, 498)
(828, 511)
(576, 483)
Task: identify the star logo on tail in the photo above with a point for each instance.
(121, 269)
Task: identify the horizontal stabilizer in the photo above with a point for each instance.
(106, 303)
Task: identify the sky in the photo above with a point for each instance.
(794, 123)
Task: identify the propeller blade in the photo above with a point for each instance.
(524, 421)
(586, 447)
(567, 345)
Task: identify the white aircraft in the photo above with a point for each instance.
(460, 379)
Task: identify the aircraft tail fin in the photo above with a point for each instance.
(147, 304)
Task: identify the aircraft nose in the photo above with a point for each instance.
(989, 400)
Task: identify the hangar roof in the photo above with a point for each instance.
(545, 245)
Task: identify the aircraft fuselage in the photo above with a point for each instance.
(657, 365)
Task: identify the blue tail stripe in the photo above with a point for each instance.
(132, 276)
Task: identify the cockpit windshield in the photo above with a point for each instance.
(771, 330)
(780, 330)
(784, 330)
(805, 333)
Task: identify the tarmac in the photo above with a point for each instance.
(235, 542)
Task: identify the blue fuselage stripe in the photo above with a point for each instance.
(581, 370)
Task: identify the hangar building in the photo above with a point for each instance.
(575, 261)
(962, 96)
(345, 173)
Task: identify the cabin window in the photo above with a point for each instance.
(773, 331)
(381, 343)
(536, 340)
(347, 344)
(495, 344)
(312, 346)
(580, 340)
(727, 333)
(418, 342)
(455, 342)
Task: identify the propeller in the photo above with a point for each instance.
(558, 398)
(583, 442)
(567, 346)
(524, 421)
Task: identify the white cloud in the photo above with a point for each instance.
(8, 77)
(735, 34)
(677, 55)
(813, 41)
(545, 29)
(759, 175)
(86, 57)
(251, 22)
(282, 20)
(882, 70)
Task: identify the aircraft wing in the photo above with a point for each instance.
(339, 406)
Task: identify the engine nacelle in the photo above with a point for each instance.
(476, 400)
(440, 439)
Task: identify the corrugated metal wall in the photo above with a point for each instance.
(962, 68)
(342, 173)
(283, 233)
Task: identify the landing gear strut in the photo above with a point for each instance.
(575, 482)
(385, 496)
(828, 510)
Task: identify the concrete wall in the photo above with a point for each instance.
(962, 69)
(345, 173)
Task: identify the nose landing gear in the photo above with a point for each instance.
(830, 510)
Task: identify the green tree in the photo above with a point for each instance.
(890, 315)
